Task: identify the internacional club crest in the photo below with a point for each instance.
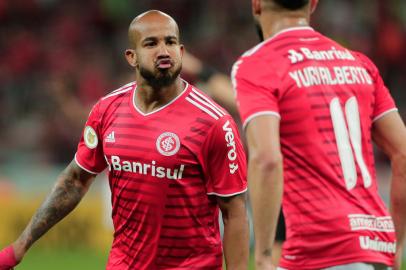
(168, 143)
(90, 137)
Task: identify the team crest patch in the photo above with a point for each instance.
(90, 137)
(168, 143)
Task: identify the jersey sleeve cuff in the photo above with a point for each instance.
(379, 116)
(227, 194)
(252, 116)
(83, 167)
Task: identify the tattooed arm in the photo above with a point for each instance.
(72, 184)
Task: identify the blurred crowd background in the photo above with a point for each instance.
(57, 57)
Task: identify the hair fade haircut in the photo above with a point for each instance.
(292, 4)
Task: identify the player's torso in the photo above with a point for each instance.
(330, 200)
(161, 212)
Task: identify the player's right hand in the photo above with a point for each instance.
(8, 258)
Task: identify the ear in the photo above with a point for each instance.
(313, 5)
(182, 50)
(131, 57)
(256, 7)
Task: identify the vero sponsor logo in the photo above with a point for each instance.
(232, 153)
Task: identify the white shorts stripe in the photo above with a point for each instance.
(202, 108)
(204, 103)
(209, 101)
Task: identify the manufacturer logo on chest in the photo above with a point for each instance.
(168, 144)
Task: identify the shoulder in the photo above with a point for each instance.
(364, 60)
(118, 93)
(203, 108)
(258, 62)
(105, 102)
(258, 53)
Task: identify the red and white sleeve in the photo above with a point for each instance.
(89, 155)
(224, 160)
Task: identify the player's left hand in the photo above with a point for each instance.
(7, 258)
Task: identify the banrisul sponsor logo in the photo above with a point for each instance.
(377, 245)
(232, 153)
(319, 55)
(116, 164)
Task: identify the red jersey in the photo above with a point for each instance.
(327, 98)
(165, 170)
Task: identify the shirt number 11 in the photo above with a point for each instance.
(346, 138)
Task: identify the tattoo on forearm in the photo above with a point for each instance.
(267, 252)
(63, 198)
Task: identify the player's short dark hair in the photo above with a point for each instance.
(292, 4)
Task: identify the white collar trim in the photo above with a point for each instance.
(163, 107)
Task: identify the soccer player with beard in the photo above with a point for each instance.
(174, 159)
(310, 109)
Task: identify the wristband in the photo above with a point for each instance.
(7, 258)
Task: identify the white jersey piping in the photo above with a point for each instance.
(82, 167)
(163, 107)
(227, 195)
(384, 113)
(252, 116)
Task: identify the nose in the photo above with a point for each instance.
(163, 50)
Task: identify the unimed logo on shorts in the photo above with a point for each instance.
(377, 245)
(232, 153)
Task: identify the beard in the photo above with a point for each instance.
(160, 78)
(258, 28)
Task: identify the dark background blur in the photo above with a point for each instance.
(58, 57)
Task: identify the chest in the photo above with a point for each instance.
(155, 146)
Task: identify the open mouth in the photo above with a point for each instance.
(164, 64)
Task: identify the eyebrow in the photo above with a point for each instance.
(155, 38)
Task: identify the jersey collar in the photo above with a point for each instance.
(289, 29)
(283, 31)
(161, 108)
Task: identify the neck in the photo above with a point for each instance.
(274, 23)
(148, 99)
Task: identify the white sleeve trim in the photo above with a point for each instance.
(252, 116)
(81, 166)
(227, 195)
(384, 113)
